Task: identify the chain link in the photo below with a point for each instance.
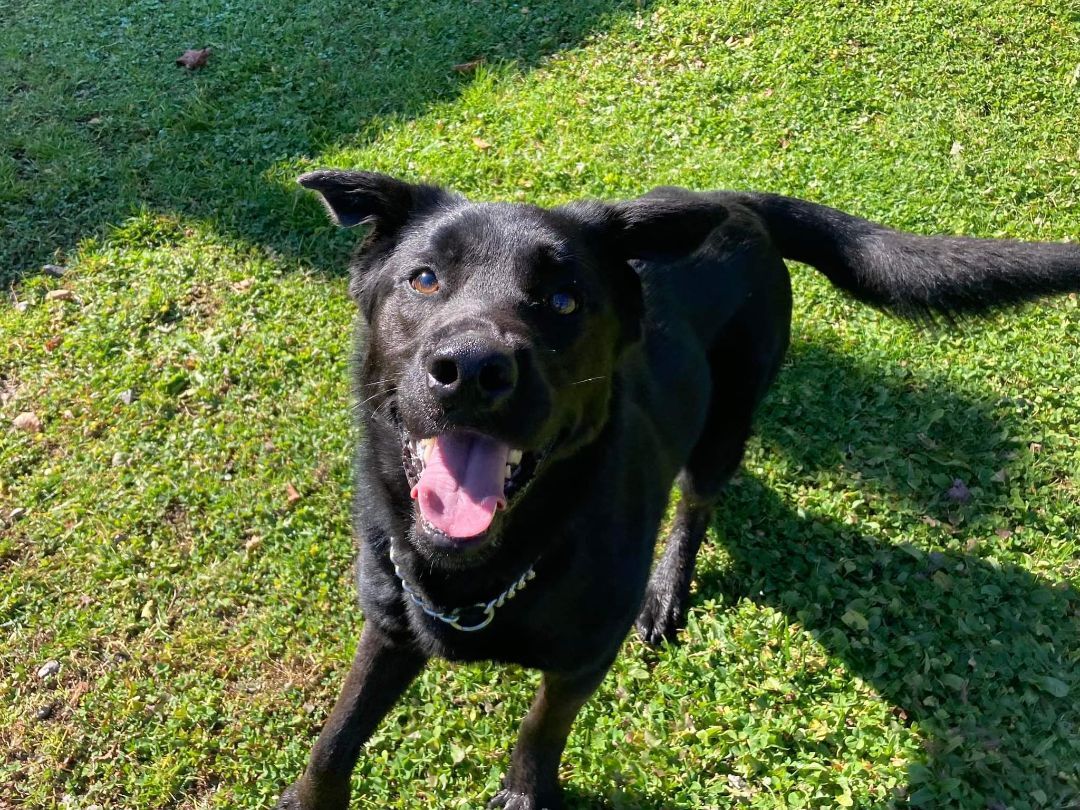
(454, 617)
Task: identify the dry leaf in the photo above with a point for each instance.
(243, 285)
(28, 421)
(481, 144)
(59, 295)
(291, 494)
(78, 690)
(52, 343)
(469, 67)
(194, 59)
(252, 543)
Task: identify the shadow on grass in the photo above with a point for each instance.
(982, 655)
(110, 127)
(624, 800)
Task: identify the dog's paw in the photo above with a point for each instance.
(289, 800)
(661, 618)
(512, 800)
(301, 796)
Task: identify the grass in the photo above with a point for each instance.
(857, 639)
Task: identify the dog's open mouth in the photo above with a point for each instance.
(460, 480)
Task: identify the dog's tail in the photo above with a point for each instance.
(915, 276)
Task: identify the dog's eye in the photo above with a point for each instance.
(425, 282)
(563, 303)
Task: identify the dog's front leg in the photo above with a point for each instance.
(532, 783)
(380, 672)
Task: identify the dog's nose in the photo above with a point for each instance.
(472, 372)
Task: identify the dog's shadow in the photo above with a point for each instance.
(982, 656)
(622, 800)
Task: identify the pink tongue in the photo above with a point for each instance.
(462, 483)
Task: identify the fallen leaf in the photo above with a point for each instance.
(28, 421)
(1004, 534)
(59, 295)
(469, 67)
(78, 690)
(194, 59)
(252, 543)
(243, 285)
(958, 492)
(291, 494)
(1000, 477)
(481, 144)
(52, 343)
(956, 148)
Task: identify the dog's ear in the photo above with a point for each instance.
(629, 301)
(354, 198)
(666, 223)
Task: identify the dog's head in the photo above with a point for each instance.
(494, 334)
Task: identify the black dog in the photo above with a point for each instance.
(534, 381)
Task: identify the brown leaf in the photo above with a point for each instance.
(59, 295)
(481, 144)
(291, 494)
(27, 421)
(469, 67)
(52, 343)
(194, 59)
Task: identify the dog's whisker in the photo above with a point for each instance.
(374, 413)
(366, 401)
(587, 380)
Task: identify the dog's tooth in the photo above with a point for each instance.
(515, 457)
(509, 472)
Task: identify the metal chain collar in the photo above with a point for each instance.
(454, 617)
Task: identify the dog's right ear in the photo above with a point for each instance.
(355, 198)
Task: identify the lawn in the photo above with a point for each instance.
(866, 632)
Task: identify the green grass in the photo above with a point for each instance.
(857, 639)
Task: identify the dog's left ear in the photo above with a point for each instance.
(353, 198)
(667, 223)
